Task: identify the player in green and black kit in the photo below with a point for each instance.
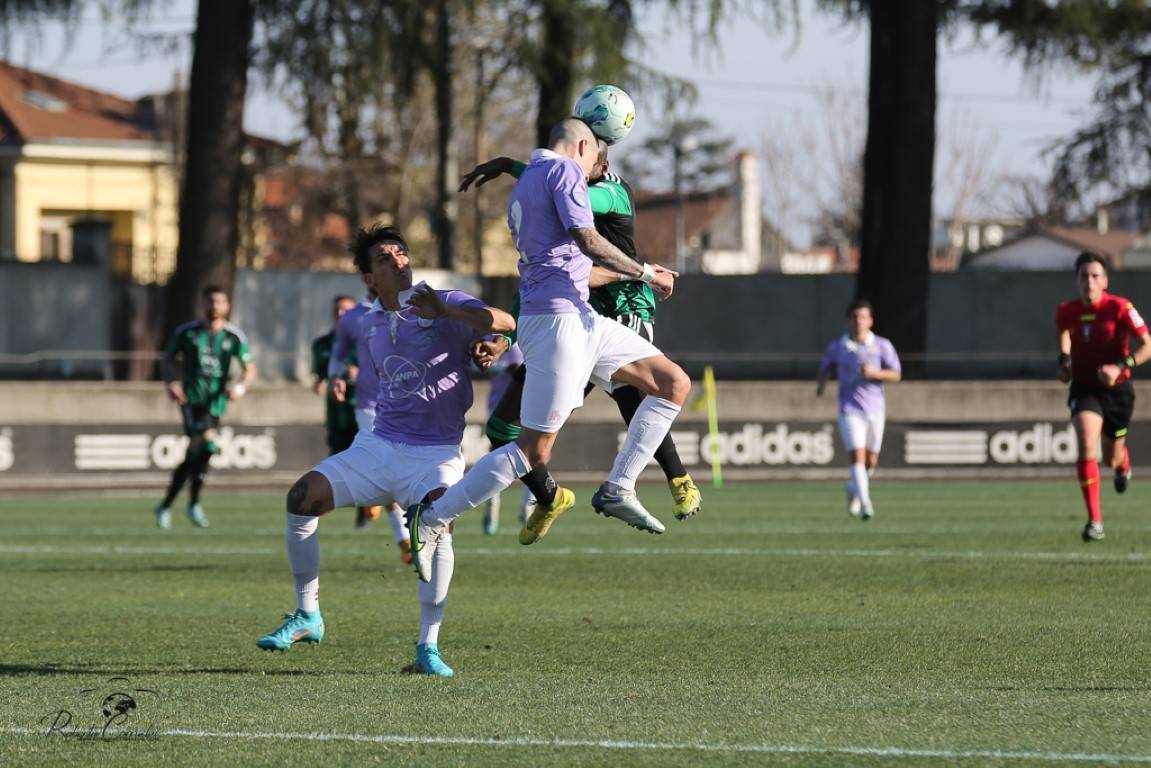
(208, 348)
(629, 302)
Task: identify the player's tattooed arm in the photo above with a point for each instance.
(602, 253)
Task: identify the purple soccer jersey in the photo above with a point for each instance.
(425, 389)
(847, 357)
(349, 336)
(550, 198)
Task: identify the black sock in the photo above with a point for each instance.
(179, 475)
(542, 485)
(628, 400)
(668, 458)
(199, 469)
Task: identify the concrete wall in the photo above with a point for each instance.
(982, 324)
(54, 307)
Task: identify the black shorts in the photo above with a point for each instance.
(1115, 404)
(340, 439)
(198, 420)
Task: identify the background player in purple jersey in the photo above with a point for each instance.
(862, 362)
(566, 344)
(420, 343)
(348, 348)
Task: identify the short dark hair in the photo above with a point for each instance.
(210, 289)
(860, 304)
(1089, 257)
(342, 297)
(366, 237)
(602, 145)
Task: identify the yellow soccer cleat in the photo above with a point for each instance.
(537, 525)
(686, 496)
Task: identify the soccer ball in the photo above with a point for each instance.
(608, 111)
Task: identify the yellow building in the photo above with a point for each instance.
(85, 177)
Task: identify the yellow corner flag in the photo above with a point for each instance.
(712, 425)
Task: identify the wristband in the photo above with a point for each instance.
(506, 338)
(1064, 359)
(1127, 362)
(239, 390)
(648, 276)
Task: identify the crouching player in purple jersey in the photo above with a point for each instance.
(861, 361)
(566, 344)
(420, 342)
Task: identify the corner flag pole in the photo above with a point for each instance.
(712, 425)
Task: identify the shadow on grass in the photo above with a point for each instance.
(14, 670)
(1076, 688)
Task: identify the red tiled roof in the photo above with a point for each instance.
(85, 113)
(655, 221)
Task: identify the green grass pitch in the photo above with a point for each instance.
(966, 625)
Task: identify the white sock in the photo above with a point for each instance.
(303, 538)
(859, 478)
(434, 594)
(396, 518)
(649, 427)
(490, 475)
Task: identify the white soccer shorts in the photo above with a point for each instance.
(562, 353)
(365, 419)
(375, 471)
(860, 431)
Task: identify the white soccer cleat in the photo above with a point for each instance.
(612, 501)
(423, 537)
(854, 506)
(866, 512)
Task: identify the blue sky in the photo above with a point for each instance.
(757, 83)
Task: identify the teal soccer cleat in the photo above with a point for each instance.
(429, 661)
(163, 517)
(197, 516)
(298, 627)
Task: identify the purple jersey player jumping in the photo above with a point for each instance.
(862, 362)
(419, 343)
(565, 344)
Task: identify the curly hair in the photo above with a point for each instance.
(366, 237)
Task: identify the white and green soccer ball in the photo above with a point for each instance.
(608, 111)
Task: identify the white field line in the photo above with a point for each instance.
(679, 746)
(917, 554)
(334, 530)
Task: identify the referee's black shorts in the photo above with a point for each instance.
(1115, 404)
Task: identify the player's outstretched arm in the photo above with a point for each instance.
(485, 319)
(485, 172)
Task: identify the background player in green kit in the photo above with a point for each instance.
(339, 417)
(207, 348)
(629, 302)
